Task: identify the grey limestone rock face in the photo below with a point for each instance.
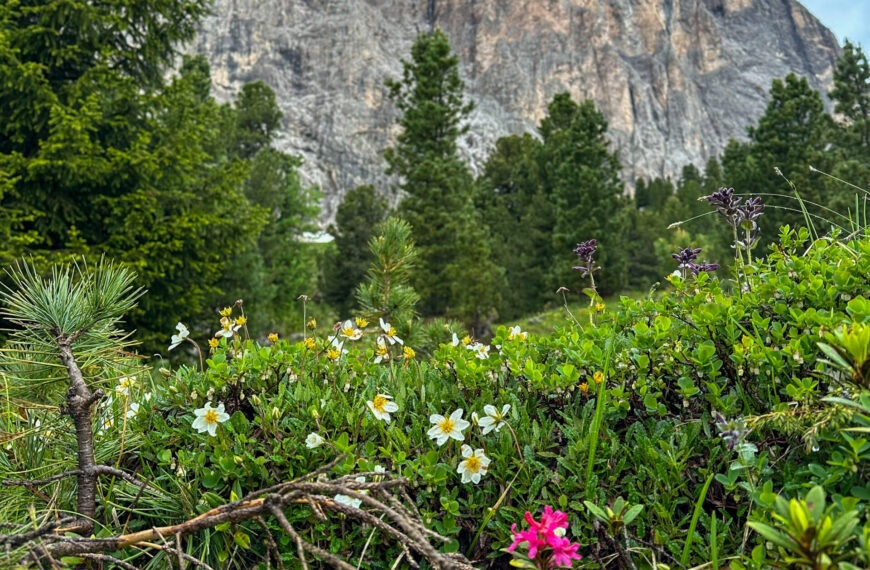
(674, 78)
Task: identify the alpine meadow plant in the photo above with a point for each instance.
(543, 544)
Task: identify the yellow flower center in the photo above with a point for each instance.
(347, 331)
(472, 464)
(211, 417)
(392, 331)
(446, 425)
(378, 403)
(382, 349)
(332, 354)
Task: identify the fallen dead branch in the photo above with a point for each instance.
(381, 507)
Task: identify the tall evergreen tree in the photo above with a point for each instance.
(452, 241)
(102, 151)
(520, 215)
(356, 220)
(790, 136)
(581, 175)
(851, 93)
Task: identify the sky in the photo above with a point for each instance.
(846, 18)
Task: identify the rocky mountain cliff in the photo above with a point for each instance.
(675, 78)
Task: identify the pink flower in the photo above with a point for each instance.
(563, 551)
(529, 536)
(551, 520)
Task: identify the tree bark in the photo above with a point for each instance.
(80, 406)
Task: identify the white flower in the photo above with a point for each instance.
(349, 330)
(474, 466)
(345, 500)
(134, 409)
(446, 428)
(381, 353)
(208, 418)
(559, 531)
(338, 344)
(390, 333)
(147, 396)
(382, 407)
(124, 385)
(379, 469)
(228, 328)
(179, 338)
(481, 351)
(313, 440)
(517, 333)
(455, 340)
(494, 419)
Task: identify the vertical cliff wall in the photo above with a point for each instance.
(675, 78)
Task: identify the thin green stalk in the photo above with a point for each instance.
(490, 513)
(599, 410)
(714, 542)
(699, 504)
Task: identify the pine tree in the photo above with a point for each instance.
(790, 136)
(511, 201)
(356, 221)
(582, 177)
(851, 93)
(387, 293)
(437, 186)
(102, 152)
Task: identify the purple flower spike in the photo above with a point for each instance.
(585, 251)
(697, 268)
(686, 256)
(727, 204)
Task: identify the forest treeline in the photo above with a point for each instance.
(113, 145)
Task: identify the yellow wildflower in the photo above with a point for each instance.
(273, 338)
(361, 322)
(312, 323)
(409, 352)
(598, 377)
(241, 320)
(584, 388)
(226, 311)
(213, 342)
(599, 306)
(466, 340)
(333, 354)
(309, 343)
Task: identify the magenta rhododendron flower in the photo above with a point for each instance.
(544, 540)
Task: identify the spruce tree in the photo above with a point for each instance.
(437, 186)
